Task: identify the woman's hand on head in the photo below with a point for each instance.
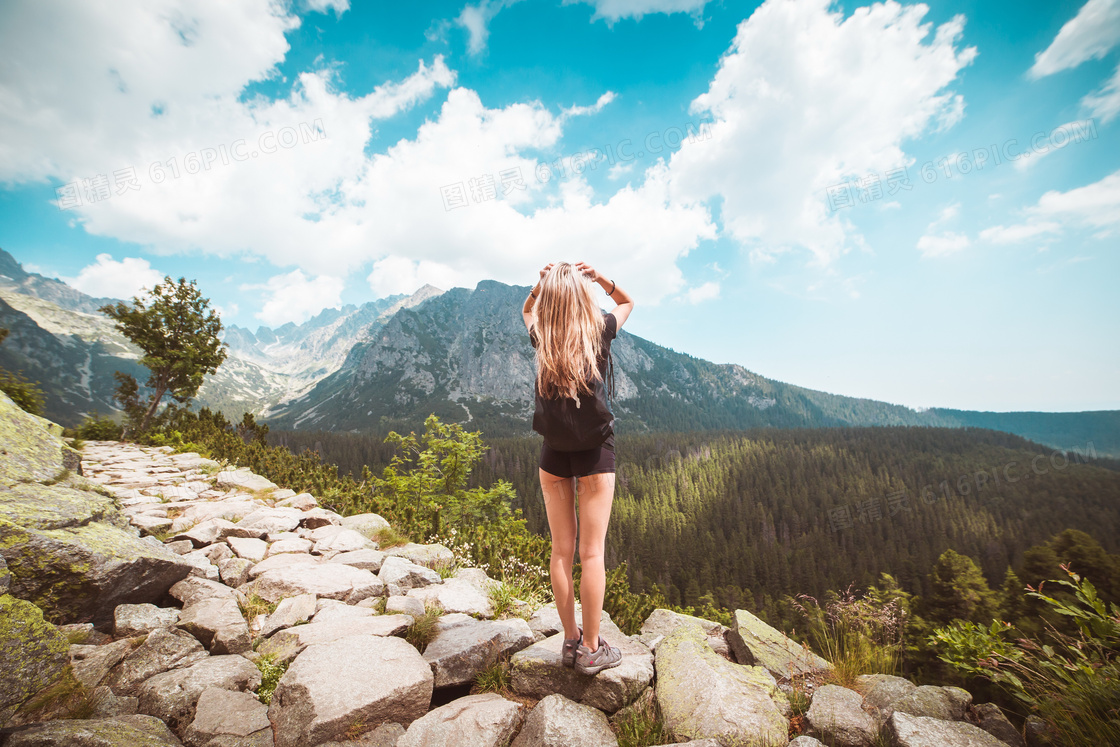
(546, 269)
(587, 270)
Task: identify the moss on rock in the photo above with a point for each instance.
(33, 654)
(28, 450)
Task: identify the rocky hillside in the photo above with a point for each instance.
(151, 598)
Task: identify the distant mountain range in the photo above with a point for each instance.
(462, 354)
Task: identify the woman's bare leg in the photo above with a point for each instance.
(560, 505)
(596, 495)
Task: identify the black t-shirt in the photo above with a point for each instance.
(610, 331)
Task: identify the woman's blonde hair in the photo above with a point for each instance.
(569, 327)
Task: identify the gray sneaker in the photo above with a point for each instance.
(593, 662)
(568, 652)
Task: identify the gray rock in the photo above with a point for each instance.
(150, 524)
(92, 663)
(271, 520)
(405, 606)
(244, 479)
(234, 719)
(344, 540)
(334, 611)
(191, 590)
(289, 643)
(558, 722)
(754, 642)
(179, 547)
(235, 571)
(386, 735)
(324, 580)
(282, 560)
(702, 695)
(545, 621)
(249, 548)
(107, 705)
(946, 703)
(804, 741)
(120, 731)
(290, 611)
(172, 695)
(922, 731)
(992, 720)
(880, 691)
(369, 560)
(1037, 732)
(662, 622)
(371, 525)
(332, 686)
(292, 545)
(485, 720)
(433, 556)
(316, 517)
(302, 501)
(33, 654)
(406, 574)
(218, 625)
(463, 646)
(836, 716)
(138, 619)
(162, 650)
(205, 533)
(455, 595)
(538, 671)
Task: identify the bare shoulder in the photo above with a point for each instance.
(621, 313)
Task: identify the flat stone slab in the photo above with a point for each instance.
(836, 716)
(139, 619)
(484, 720)
(558, 722)
(331, 687)
(119, 731)
(172, 696)
(537, 672)
(463, 646)
(368, 560)
(324, 580)
(218, 625)
(161, 651)
(244, 479)
(287, 644)
(284, 560)
(922, 731)
(754, 642)
(455, 595)
(433, 556)
(232, 717)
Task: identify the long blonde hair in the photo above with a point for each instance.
(569, 327)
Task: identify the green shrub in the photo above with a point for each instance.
(97, 428)
(271, 672)
(1071, 681)
(23, 392)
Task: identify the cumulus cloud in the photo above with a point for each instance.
(107, 278)
(615, 10)
(703, 292)
(1089, 35)
(805, 99)
(1094, 207)
(939, 243)
(294, 297)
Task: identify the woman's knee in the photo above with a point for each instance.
(590, 552)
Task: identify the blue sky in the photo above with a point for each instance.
(740, 168)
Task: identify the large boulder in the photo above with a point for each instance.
(433, 556)
(754, 642)
(162, 650)
(538, 671)
(662, 622)
(173, 695)
(287, 644)
(558, 722)
(229, 718)
(324, 580)
(485, 720)
(405, 574)
(463, 646)
(702, 695)
(905, 730)
(119, 731)
(370, 525)
(33, 654)
(991, 719)
(139, 619)
(218, 625)
(454, 595)
(33, 451)
(836, 716)
(333, 687)
(945, 703)
(244, 479)
(880, 691)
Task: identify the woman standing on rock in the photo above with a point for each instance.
(572, 337)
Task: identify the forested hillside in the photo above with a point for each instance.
(752, 516)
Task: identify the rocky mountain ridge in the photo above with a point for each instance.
(209, 578)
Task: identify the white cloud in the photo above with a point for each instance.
(1017, 234)
(227, 311)
(476, 20)
(942, 245)
(132, 276)
(294, 297)
(1087, 36)
(322, 6)
(1094, 206)
(576, 111)
(805, 99)
(614, 10)
(703, 292)
(1105, 103)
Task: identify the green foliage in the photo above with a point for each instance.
(26, 394)
(1071, 681)
(178, 332)
(859, 634)
(959, 591)
(423, 628)
(271, 672)
(640, 725)
(494, 678)
(98, 428)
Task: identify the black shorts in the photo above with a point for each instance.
(578, 463)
